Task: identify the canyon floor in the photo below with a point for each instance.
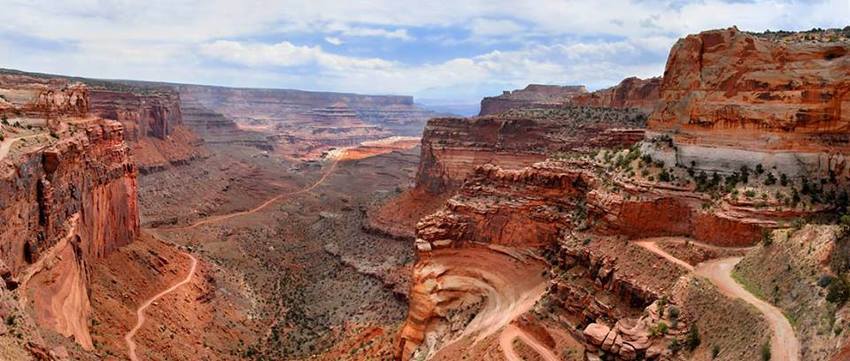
(280, 246)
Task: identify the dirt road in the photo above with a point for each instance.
(784, 344)
(506, 342)
(262, 206)
(6, 145)
(140, 312)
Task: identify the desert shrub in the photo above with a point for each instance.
(783, 179)
(693, 340)
(745, 174)
(838, 291)
(759, 169)
(675, 346)
(664, 176)
(765, 352)
(715, 351)
(825, 280)
(766, 237)
(750, 193)
(770, 180)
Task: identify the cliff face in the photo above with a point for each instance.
(306, 124)
(153, 120)
(145, 113)
(65, 205)
(533, 96)
(730, 98)
(632, 92)
(452, 147)
(21, 94)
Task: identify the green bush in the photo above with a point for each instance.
(693, 339)
(664, 176)
(838, 291)
(765, 352)
(771, 180)
(766, 237)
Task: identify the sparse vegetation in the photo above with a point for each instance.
(766, 237)
(838, 291)
(693, 339)
(765, 352)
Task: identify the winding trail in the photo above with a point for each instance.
(506, 342)
(653, 247)
(140, 312)
(6, 145)
(784, 344)
(262, 206)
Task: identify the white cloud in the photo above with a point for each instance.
(595, 43)
(333, 40)
(286, 54)
(491, 27)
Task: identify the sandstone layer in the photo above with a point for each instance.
(632, 92)
(452, 147)
(731, 98)
(532, 96)
(306, 124)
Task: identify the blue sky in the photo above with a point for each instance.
(451, 51)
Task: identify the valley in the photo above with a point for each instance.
(700, 215)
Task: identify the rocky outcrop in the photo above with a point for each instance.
(533, 96)
(215, 128)
(632, 92)
(730, 99)
(66, 205)
(144, 112)
(452, 147)
(306, 124)
(25, 94)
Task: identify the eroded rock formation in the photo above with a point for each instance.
(452, 147)
(306, 124)
(731, 98)
(66, 205)
(532, 96)
(632, 92)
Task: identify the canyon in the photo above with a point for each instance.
(701, 215)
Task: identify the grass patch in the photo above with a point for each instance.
(748, 285)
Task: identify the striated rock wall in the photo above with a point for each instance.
(730, 98)
(452, 147)
(533, 96)
(90, 173)
(22, 94)
(65, 205)
(290, 107)
(633, 92)
(144, 112)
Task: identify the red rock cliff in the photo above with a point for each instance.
(630, 93)
(731, 98)
(532, 96)
(452, 147)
